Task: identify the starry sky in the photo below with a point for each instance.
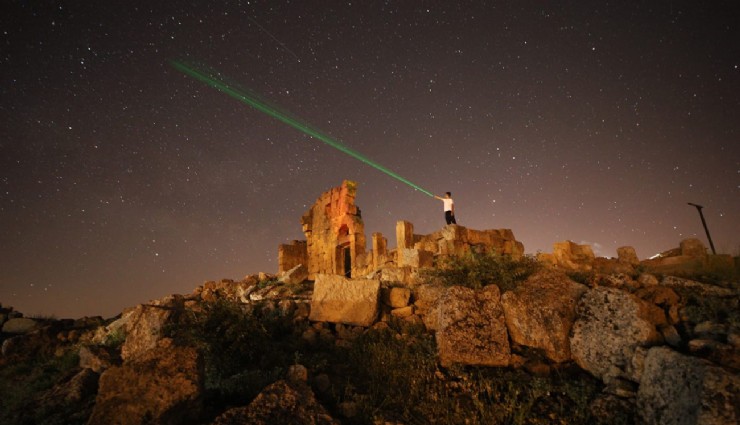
(124, 180)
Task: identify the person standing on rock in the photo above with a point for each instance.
(449, 207)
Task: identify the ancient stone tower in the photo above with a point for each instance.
(335, 235)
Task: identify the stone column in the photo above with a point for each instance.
(404, 234)
(380, 249)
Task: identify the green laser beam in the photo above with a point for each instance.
(262, 107)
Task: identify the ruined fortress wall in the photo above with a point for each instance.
(335, 241)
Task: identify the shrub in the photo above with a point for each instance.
(244, 348)
(24, 381)
(476, 270)
(394, 377)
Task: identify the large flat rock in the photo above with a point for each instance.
(472, 328)
(337, 299)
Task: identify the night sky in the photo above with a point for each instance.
(124, 180)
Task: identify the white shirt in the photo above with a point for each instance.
(448, 203)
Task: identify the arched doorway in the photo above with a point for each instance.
(343, 253)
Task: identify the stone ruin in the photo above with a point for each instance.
(690, 256)
(335, 242)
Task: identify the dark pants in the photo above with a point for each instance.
(450, 218)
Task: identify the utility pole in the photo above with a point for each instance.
(706, 229)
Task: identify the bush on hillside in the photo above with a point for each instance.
(476, 270)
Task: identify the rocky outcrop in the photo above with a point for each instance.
(570, 256)
(19, 325)
(145, 324)
(540, 313)
(280, 403)
(78, 387)
(472, 327)
(163, 385)
(701, 289)
(337, 299)
(227, 289)
(678, 389)
(96, 358)
(611, 324)
(427, 304)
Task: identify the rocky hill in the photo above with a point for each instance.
(473, 339)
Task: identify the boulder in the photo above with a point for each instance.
(280, 403)
(572, 256)
(403, 311)
(678, 389)
(297, 373)
(618, 280)
(627, 255)
(396, 297)
(295, 275)
(659, 295)
(540, 313)
(693, 248)
(19, 325)
(69, 401)
(163, 385)
(97, 358)
(79, 386)
(699, 288)
(611, 324)
(647, 279)
(144, 326)
(337, 299)
(426, 304)
(472, 328)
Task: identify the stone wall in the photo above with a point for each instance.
(456, 240)
(335, 233)
(292, 255)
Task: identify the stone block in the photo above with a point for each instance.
(163, 386)
(540, 313)
(693, 248)
(396, 297)
(627, 255)
(611, 325)
(416, 258)
(337, 299)
(403, 311)
(472, 328)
